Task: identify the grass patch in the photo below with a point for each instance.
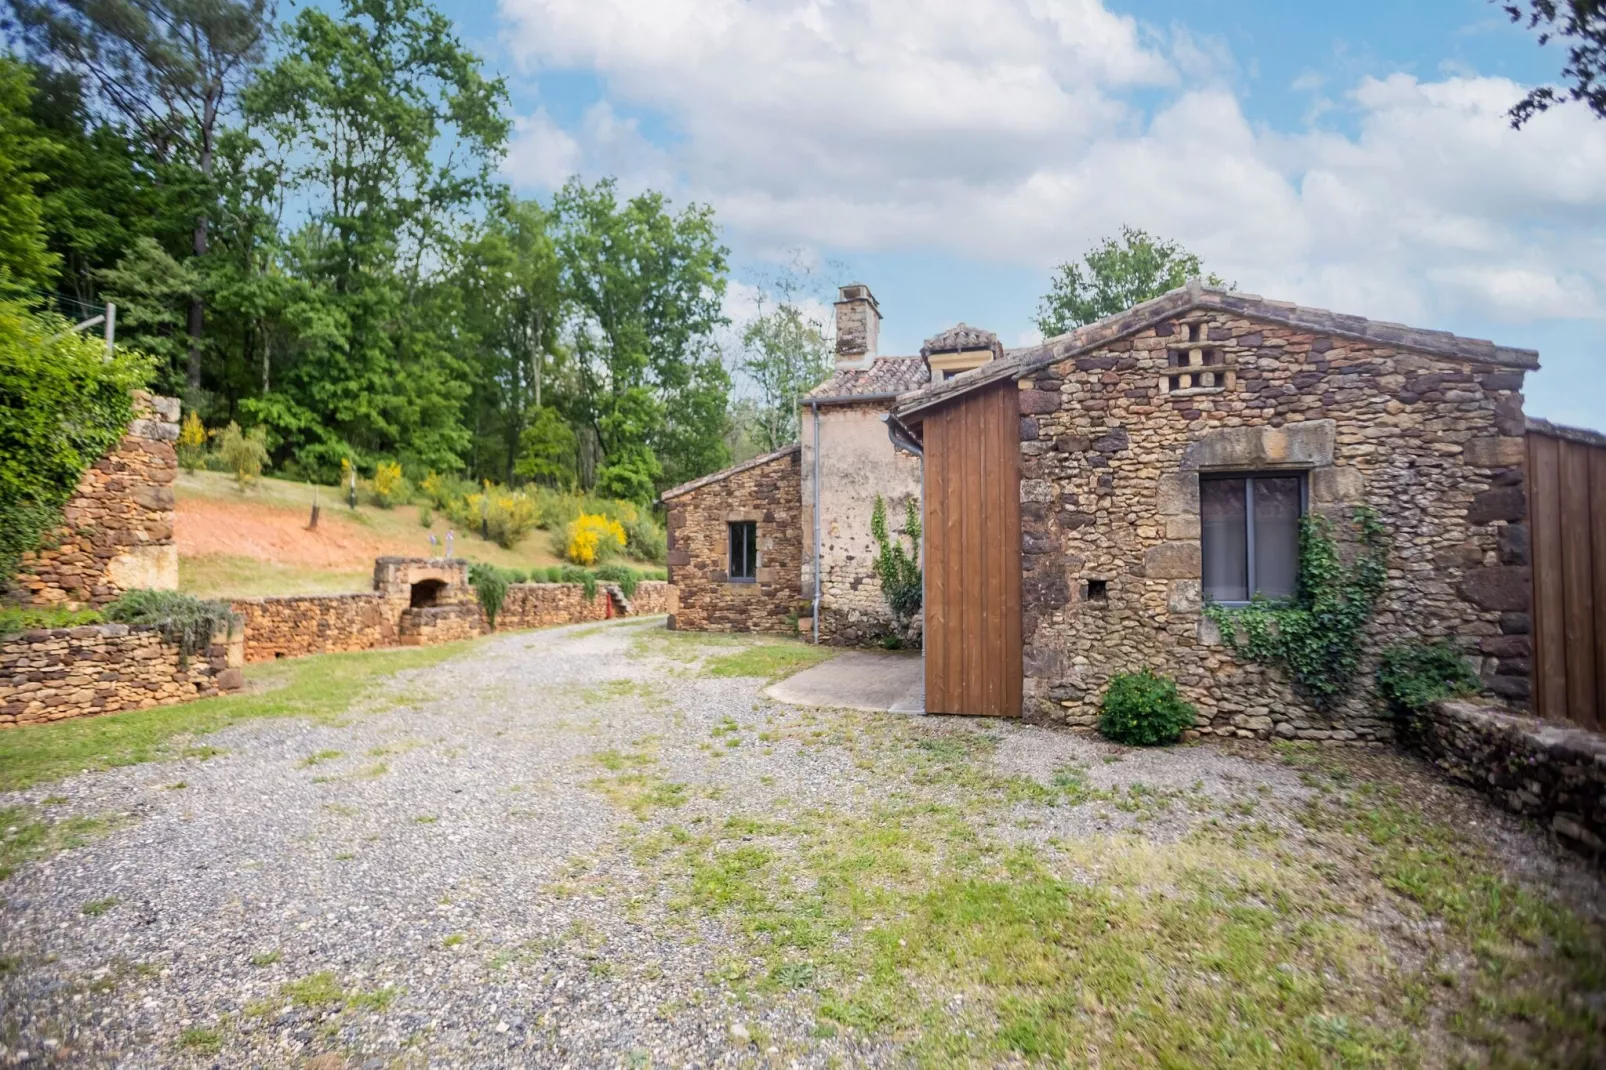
(198, 1039)
(318, 688)
(26, 837)
(96, 907)
(769, 660)
(322, 756)
(266, 958)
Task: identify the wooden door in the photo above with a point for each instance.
(972, 547)
(1567, 528)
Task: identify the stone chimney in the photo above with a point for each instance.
(858, 327)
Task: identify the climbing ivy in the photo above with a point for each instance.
(1316, 635)
(898, 569)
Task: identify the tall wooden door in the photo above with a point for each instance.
(972, 545)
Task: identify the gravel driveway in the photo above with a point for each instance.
(496, 862)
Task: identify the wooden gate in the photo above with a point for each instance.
(1567, 525)
(972, 547)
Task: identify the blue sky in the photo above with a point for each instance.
(950, 152)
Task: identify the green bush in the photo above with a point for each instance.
(582, 576)
(622, 575)
(63, 406)
(1413, 676)
(490, 586)
(426, 517)
(181, 618)
(1141, 709)
(244, 453)
(14, 619)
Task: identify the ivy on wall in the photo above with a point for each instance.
(1316, 635)
(898, 569)
(63, 406)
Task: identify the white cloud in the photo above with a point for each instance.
(541, 152)
(1007, 130)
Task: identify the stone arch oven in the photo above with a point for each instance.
(426, 592)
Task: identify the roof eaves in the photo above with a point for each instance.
(726, 473)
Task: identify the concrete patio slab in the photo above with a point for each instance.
(859, 680)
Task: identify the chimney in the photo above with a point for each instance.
(858, 325)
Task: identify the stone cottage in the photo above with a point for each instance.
(782, 542)
(1164, 456)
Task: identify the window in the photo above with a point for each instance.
(1250, 535)
(743, 551)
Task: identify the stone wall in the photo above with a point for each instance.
(1112, 450)
(432, 625)
(60, 673)
(653, 597)
(292, 626)
(118, 530)
(543, 605)
(857, 462)
(765, 492)
(1553, 772)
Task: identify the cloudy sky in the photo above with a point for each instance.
(950, 152)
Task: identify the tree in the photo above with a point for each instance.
(1113, 277)
(546, 449)
(643, 287)
(784, 355)
(171, 69)
(1582, 24)
(25, 259)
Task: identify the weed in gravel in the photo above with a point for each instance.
(375, 771)
(266, 958)
(96, 907)
(204, 1041)
(425, 819)
(317, 688)
(453, 939)
(319, 758)
(24, 837)
(177, 786)
(202, 753)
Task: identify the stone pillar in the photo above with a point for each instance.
(858, 327)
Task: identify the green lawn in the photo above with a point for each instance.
(316, 688)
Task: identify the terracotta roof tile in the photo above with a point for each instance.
(885, 375)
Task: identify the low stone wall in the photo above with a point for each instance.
(542, 605)
(1541, 769)
(432, 625)
(59, 673)
(291, 626)
(653, 597)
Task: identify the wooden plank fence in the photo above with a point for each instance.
(1567, 527)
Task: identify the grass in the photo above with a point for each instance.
(732, 655)
(323, 991)
(204, 1041)
(96, 907)
(25, 836)
(317, 688)
(236, 576)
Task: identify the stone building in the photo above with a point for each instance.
(842, 463)
(1165, 457)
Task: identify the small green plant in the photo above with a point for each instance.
(205, 1041)
(245, 453)
(898, 569)
(583, 576)
(182, 619)
(15, 619)
(1316, 635)
(622, 575)
(96, 907)
(426, 517)
(1412, 676)
(490, 585)
(1142, 709)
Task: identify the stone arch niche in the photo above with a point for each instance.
(423, 581)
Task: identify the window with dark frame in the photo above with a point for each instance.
(743, 551)
(1249, 535)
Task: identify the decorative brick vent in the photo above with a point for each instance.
(1193, 365)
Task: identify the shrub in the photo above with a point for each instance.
(1141, 709)
(1413, 676)
(14, 619)
(645, 539)
(191, 444)
(593, 538)
(244, 452)
(583, 576)
(426, 517)
(509, 516)
(389, 488)
(181, 618)
(898, 569)
(490, 586)
(63, 406)
(554, 574)
(622, 575)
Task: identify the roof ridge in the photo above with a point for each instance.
(726, 473)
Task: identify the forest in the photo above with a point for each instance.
(303, 229)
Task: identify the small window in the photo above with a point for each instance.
(1250, 535)
(743, 551)
(953, 373)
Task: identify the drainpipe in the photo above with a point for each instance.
(816, 406)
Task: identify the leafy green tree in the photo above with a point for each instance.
(25, 258)
(643, 288)
(547, 449)
(785, 355)
(1113, 277)
(171, 70)
(1582, 25)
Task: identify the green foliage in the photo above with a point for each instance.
(784, 355)
(898, 569)
(547, 450)
(1582, 25)
(1141, 709)
(14, 619)
(1412, 676)
(63, 406)
(243, 452)
(389, 488)
(583, 576)
(183, 619)
(623, 575)
(426, 516)
(1114, 277)
(1316, 636)
(25, 258)
(490, 585)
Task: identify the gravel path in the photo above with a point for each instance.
(453, 875)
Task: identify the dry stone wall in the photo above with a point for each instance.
(60, 673)
(292, 626)
(118, 528)
(1548, 771)
(543, 605)
(653, 597)
(767, 494)
(1112, 446)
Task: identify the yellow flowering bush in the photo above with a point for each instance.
(389, 486)
(593, 538)
(509, 515)
(191, 443)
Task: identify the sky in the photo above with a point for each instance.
(950, 153)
